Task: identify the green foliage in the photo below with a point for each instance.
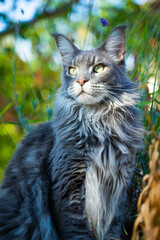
(28, 86)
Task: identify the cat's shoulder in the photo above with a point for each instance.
(31, 158)
(42, 133)
(37, 144)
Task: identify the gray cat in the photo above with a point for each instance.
(69, 177)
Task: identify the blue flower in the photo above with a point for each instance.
(104, 22)
(22, 11)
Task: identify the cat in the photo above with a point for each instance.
(68, 178)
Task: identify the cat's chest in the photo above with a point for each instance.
(96, 134)
(102, 168)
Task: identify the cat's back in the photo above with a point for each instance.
(31, 158)
(24, 199)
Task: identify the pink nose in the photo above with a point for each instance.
(81, 81)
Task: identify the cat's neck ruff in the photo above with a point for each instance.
(96, 112)
(104, 121)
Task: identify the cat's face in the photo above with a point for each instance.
(91, 77)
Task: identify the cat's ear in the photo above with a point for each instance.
(115, 43)
(66, 48)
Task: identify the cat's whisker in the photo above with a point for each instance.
(97, 88)
(71, 89)
(73, 92)
(115, 99)
(121, 102)
(110, 96)
(123, 85)
(97, 85)
(121, 89)
(97, 91)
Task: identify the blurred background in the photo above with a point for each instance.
(30, 69)
(30, 64)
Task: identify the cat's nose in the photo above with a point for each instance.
(81, 81)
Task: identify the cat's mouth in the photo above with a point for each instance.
(83, 93)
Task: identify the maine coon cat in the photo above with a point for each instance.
(68, 179)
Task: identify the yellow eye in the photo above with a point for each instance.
(98, 68)
(73, 71)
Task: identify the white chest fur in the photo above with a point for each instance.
(103, 188)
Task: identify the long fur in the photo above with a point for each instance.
(68, 179)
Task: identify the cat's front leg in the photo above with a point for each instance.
(123, 179)
(105, 191)
(114, 231)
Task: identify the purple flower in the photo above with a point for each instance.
(104, 22)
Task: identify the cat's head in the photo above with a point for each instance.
(94, 76)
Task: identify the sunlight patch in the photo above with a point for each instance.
(24, 49)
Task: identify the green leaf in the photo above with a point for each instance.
(5, 109)
(157, 125)
(158, 91)
(156, 100)
(124, 229)
(34, 120)
(14, 123)
(142, 104)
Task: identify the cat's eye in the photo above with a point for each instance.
(98, 68)
(72, 71)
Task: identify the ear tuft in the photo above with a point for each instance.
(115, 43)
(65, 46)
